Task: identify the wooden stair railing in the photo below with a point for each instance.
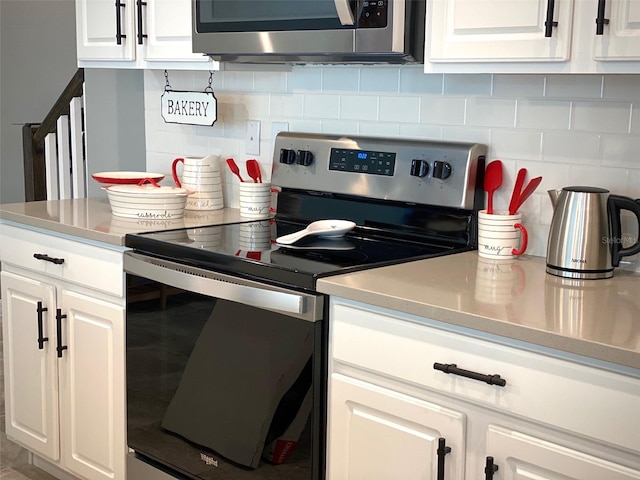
(53, 151)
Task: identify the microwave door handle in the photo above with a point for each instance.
(344, 12)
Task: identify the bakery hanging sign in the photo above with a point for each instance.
(189, 108)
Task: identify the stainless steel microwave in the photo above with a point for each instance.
(310, 31)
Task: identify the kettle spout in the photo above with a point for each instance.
(554, 195)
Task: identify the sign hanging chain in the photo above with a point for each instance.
(209, 88)
(167, 87)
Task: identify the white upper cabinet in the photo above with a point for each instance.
(499, 31)
(533, 36)
(136, 34)
(620, 39)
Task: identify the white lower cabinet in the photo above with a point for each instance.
(391, 412)
(64, 359)
(379, 434)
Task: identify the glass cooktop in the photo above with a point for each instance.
(250, 249)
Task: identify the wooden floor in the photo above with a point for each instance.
(14, 460)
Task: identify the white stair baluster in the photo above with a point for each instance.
(51, 166)
(64, 156)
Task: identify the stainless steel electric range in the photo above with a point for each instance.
(226, 366)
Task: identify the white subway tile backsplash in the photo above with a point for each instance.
(442, 110)
(379, 80)
(414, 80)
(304, 79)
(343, 79)
(339, 127)
(466, 134)
(573, 86)
(621, 151)
(270, 82)
(571, 148)
(415, 130)
(611, 117)
(543, 114)
(635, 118)
(321, 106)
(286, 105)
(238, 81)
(616, 181)
(524, 86)
(377, 129)
(359, 107)
(399, 109)
(515, 144)
(490, 112)
(460, 84)
(568, 128)
(621, 87)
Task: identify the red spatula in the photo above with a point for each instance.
(492, 181)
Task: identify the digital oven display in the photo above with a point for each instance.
(362, 161)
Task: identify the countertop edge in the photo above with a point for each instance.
(509, 331)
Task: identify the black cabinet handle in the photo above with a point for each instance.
(489, 469)
(41, 339)
(549, 24)
(119, 34)
(141, 35)
(453, 368)
(442, 452)
(600, 20)
(47, 258)
(60, 348)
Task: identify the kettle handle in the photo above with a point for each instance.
(616, 204)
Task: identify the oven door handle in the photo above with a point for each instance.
(227, 287)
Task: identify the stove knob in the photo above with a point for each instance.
(305, 157)
(419, 168)
(441, 170)
(287, 156)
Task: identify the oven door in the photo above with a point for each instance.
(225, 377)
(226, 28)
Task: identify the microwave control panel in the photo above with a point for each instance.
(373, 14)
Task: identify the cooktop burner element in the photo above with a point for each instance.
(409, 199)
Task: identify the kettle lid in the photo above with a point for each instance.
(586, 189)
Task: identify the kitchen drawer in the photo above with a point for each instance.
(555, 392)
(87, 265)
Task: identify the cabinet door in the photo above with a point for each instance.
(378, 434)
(621, 37)
(31, 388)
(520, 456)
(97, 24)
(497, 31)
(92, 392)
(168, 29)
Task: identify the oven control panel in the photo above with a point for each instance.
(362, 161)
(405, 170)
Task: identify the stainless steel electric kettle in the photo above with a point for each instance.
(585, 239)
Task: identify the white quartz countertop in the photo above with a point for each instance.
(518, 300)
(91, 218)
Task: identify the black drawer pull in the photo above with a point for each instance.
(41, 339)
(442, 452)
(60, 348)
(600, 20)
(489, 469)
(453, 368)
(549, 23)
(119, 34)
(44, 256)
(140, 33)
